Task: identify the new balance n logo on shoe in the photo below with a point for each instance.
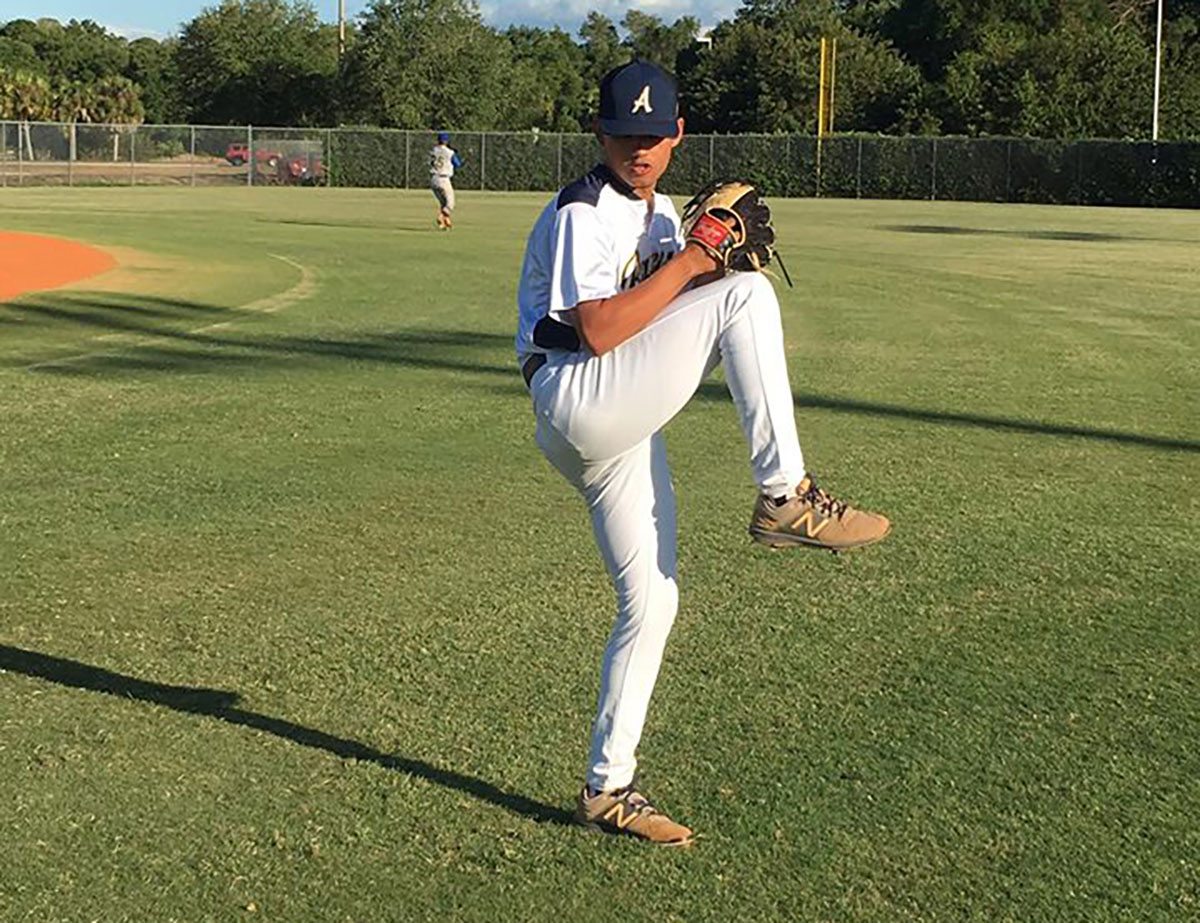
(618, 811)
(812, 527)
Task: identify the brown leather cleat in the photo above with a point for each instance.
(812, 518)
(627, 811)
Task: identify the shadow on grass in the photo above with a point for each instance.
(158, 334)
(712, 391)
(171, 349)
(355, 225)
(1085, 236)
(221, 704)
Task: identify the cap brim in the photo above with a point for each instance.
(639, 127)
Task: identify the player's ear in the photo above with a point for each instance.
(678, 133)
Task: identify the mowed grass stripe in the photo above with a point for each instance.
(293, 615)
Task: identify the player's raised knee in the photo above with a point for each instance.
(751, 288)
(756, 282)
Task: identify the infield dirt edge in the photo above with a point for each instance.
(37, 262)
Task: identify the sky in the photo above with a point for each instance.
(160, 18)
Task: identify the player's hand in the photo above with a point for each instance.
(701, 261)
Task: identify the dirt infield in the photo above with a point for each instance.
(32, 262)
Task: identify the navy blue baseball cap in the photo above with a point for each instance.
(639, 99)
(443, 136)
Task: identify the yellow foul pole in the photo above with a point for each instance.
(821, 89)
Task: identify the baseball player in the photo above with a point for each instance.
(443, 161)
(620, 319)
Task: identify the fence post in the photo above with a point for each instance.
(132, 162)
(933, 171)
(3, 154)
(711, 161)
(407, 183)
(329, 177)
(483, 160)
(1078, 172)
(558, 185)
(250, 155)
(1008, 171)
(817, 180)
(192, 160)
(858, 171)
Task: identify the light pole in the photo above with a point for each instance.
(1157, 69)
(341, 28)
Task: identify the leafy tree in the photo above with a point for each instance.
(18, 55)
(602, 47)
(80, 50)
(650, 39)
(427, 64)
(267, 62)
(547, 89)
(152, 66)
(931, 33)
(1072, 82)
(761, 74)
(86, 52)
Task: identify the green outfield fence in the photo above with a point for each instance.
(844, 166)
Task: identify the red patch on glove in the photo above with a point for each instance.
(712, 232)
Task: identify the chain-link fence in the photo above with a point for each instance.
(846, 166)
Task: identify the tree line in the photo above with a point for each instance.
(1037, 68)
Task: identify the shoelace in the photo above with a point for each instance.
(830, 506)
(637, 800)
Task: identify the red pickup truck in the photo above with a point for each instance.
(238, 153)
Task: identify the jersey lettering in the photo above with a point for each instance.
(642, 103)
(640, 268)
(594, 239)
(441, 161)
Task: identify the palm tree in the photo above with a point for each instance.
(26, 97)
(73, 102)
(118, 101)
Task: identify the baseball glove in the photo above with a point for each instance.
(733, 226)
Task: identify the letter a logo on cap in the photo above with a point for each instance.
(642, 103)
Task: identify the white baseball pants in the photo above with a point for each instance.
(598, 422)
(443, 191)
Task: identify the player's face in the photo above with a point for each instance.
(640, 160)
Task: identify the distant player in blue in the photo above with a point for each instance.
(443, 161)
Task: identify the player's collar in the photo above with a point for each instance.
(604, 173)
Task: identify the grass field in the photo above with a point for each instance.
(296, 624)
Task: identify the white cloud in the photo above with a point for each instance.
(133, 32)
(568, 15)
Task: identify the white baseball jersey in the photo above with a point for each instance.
(441, 160)
(594, 239)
